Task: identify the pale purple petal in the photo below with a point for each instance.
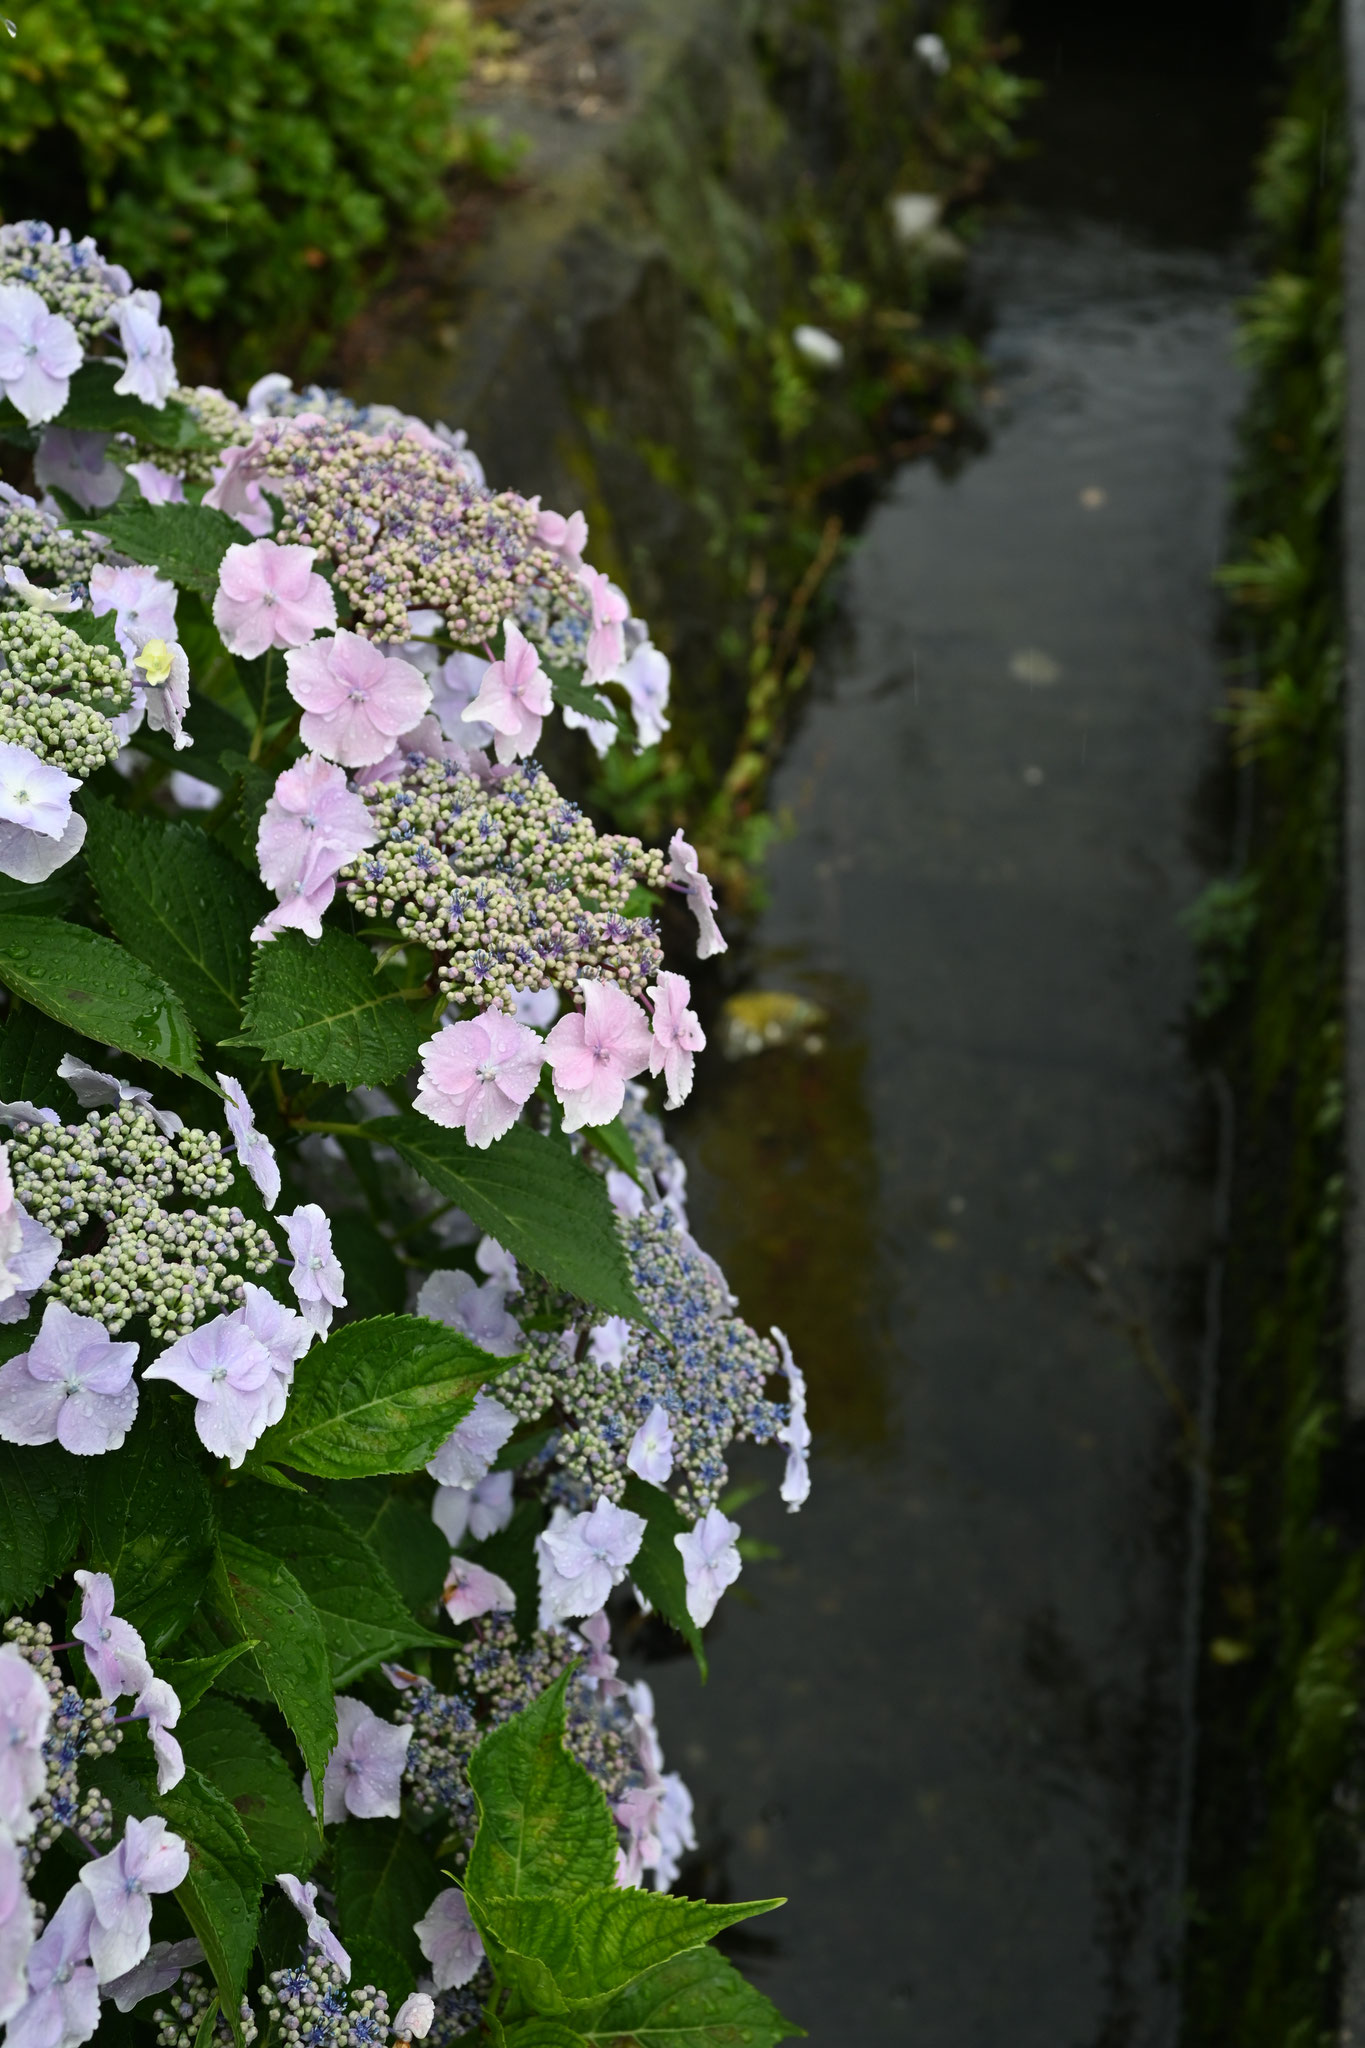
(114, 1651)
(470, 1590)
(711, 1562)
(25, 1712)
(269, 596)
(472, 1445)
(651, 1451)
(449, 1940)
(254, 1149)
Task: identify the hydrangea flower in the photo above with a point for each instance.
(479, 1511)
(158, 1704)
(236, 490)
(676, 1036)
(142, 602)
(514, 697)
(16, 1930)
(537, 1006)
(270, 596)
(469, 1450)
(455, 1298)
(149, 351)
(454, 686)
(581, 1557)
(158, 487)
(685, 874)
(149, 1859)
(63, 2005)
(25, 1711)
(94, 1090)
(651, 1448)
(794, 1433)
(412, 2021)
(478, 1074)
(73, 1386)
(356, 700)
(39, 832)
(568, 537)
(40, 352)
(313, 823)
(254, 1149)
(711, 1562)
(449, 1940)
(78, 463)
(595, 1051)
(28, 1252)
(470, 1590)
(37, 596)
(303, 1897)
(114, 1651)
(316, 1276)
(232, 1377)
(365, 1771)
(646, 676)
(607, 1341)
(159, 1969)
(606, 640)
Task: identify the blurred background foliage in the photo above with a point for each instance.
(254, 160)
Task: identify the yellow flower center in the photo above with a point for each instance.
(154, 661)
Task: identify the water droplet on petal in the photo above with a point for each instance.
(10, 26)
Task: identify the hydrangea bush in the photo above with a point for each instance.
(361, 1375)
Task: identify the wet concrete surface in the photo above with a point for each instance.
(953, 1722)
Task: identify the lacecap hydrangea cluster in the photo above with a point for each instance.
(58, 694)
(505, 880)
(50, 555)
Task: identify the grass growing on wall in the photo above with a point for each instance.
(1283, 1610)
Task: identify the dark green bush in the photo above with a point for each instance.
(249, 157)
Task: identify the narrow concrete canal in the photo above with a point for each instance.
(955, 1726)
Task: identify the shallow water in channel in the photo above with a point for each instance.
(952, 1721)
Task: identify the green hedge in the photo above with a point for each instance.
(249, 157)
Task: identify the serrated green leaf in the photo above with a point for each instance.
(94, 407)
(182, 905)
(544, 1824)
(40, 1522)
(544, 2034)
(222, 1894)
(594, 1945)
(323, 1010)
(549, 1209)
(31, 1049)
(52, 898)
(697, 2000)
(376, 1279)
(399, 1529)
(185, 542)
(580, 697)
(226, 1746)
(98, 988)
(151, 1522)
(191, 1677)
(364, 1619)
(212, 732)
(377, 1397)
(256, 1596)
(657, 1566)
(384, 1877)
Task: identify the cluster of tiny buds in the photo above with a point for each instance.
(405, 529)
(117, 1171)
(218, 419)
(71, 277)
(311, 2006)
(47, 552)
(77, 1728)
(460, 2011)
(708, 1371)
(506, 882)
(40, 650)
(177, 2023)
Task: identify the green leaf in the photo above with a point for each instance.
(94, 407)
(52, 898)
(191, 1677)
(594, 704)
(544, 1825)
(614, 1141)
(384, 1877)
(31, 1048)
(185, 542)
(543, 2034)
(151, 1522)
(399, 1529)
(362, 1613)
(377, 1397)
(256, 1595)
(595, 1945)
(546, 1207)
(697, 2000)
(96, 632)
(323, 1010)
(97, 988)
(376, 1281)
(40, 1492)
(657, 1566)
(213, 732)
(222, 1894)
(225, 1745)
(183, 905)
